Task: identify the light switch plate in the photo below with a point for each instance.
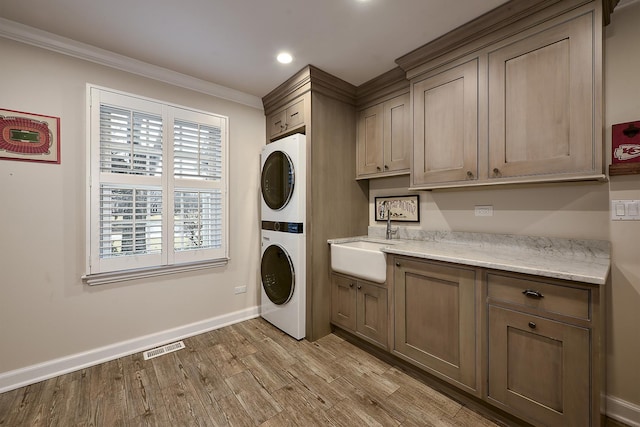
(625, 210)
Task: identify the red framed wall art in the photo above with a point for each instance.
(29, 137)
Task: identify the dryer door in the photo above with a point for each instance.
(278, 275)
(278, 180)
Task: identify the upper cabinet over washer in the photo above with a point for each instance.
(514, 96)
(286, 121)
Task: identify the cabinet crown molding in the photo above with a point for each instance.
(309, 78)
(479, 32)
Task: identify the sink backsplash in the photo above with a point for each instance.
(572, 247)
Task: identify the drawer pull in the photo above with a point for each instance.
(532, 294)
(351, 285)
(532, 325)
(397, 264)
(359, 287)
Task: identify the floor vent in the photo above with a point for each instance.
(155, 352)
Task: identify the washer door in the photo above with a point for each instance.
(278, 275)
(278, 179)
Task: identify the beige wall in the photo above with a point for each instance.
(622, 91)
(46, 312)
(579, 210)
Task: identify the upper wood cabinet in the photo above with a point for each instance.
(511, 103)
(445, 126)
(541, 103)
(384, 140)
(286, 120)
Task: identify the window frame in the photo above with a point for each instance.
(115, 269)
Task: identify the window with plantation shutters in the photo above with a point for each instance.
(158, 187)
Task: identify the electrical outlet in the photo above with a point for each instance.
(240, 289)
(485, 210)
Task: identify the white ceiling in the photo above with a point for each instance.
(233, 43)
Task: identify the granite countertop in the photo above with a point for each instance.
(586, 261)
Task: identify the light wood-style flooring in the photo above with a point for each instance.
(248, 374)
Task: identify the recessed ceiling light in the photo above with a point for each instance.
(284, 58)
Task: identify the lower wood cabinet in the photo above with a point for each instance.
(544, 355)
(360, 307)
(436, 314)
(528, 345)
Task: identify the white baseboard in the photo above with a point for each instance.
(623, 411)
(12, 380)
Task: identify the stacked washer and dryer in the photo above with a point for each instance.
(283, 211)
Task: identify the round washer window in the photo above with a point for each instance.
(277, 180)
(278, 276)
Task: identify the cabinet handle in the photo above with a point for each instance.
(378, 168)
(532, 294)
(496, 171)
(351, 285)
(359, 287)
(469, 174)
(532, 325)
(386, 167)
(397, 264)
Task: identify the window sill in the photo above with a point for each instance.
(142, 273)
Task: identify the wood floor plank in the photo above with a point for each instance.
(237, 343)
(225, 362)
(412, 387)
(254, 398)
(143, 394)
(268, 374)
(468, 418)
(6, 404)
(25, 404)
(183, 407)
(247, 374)
(234, 413)
(323, 391)
(295, 397)
(208, 382)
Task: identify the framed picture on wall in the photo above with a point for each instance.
(29, 137)
(400, 208)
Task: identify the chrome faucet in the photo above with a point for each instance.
(390, 231)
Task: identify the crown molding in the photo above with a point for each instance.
(45, 40)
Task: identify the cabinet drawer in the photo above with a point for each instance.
(542, 296)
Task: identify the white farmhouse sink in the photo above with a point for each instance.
(361, 258)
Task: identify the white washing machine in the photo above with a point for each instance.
(283, 287)
(283, 255)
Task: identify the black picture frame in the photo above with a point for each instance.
(403, 208)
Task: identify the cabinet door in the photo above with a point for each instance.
(445, 126)
(371, 312)
(539, 368)
(435, 319)
(397, 133)
(370, 140)
(277, 123)
(343, 301)
(295, 116)
(541, 103)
